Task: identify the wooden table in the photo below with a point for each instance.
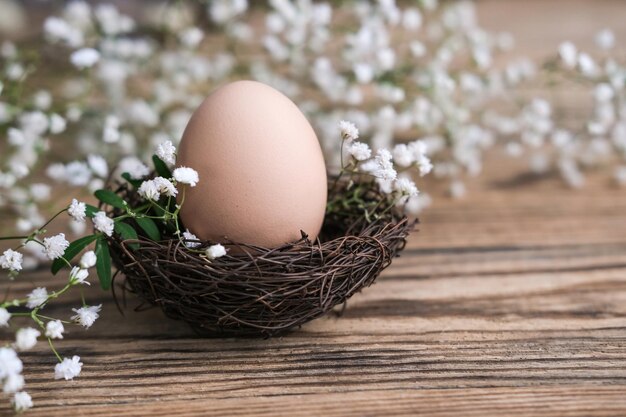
(511, 300)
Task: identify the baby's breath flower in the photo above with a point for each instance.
(26, 338)
(37, 297)
(88, 260)
(403, 156)
(54, 246)
(85, 58)
(77, 210)
(148, 190)
(186, 175)
(349, 131)
(11, 260)
(68, 369)
(359, 151)
(79, 275)
(57, 124)
(86, 316)
(406, 188)
(424, 165)
(165, 186)
(188, 236)
(54, 329)
(135, 168)
(215, 251)
(5, 316)
(568, 54)
(13, 383)
(167, 152)
(103, 223)
(10, 363)
(22, 401)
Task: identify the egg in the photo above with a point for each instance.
(261, 168)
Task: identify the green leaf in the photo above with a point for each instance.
(72, 250)
(127, 233)
(90, 210)
(150, 227)
(110, 198)
(161, 167)
(103, 263)
(135, 183)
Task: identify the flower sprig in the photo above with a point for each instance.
(391, 170)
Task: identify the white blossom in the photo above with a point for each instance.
(359, 150)
(98, 165)
(605, 39)
(149, 190)
(22, 401)
(135, 168)
(88, 260)
(11, 260)
(186, 175)
(165, 186)
(215, 251)
(10, 363)
(57, 124)
(86, 316)
(167, 152)
(54, 246)
(85, 58)
(5, 316)
(13, 383)
(77, 210)
(37, 297)
(68, 368)
(54, 329)
(103, 223)
(349, 131)
(79, 275)
(191, 37)
(188, 236)
(26, 338)
(568, 54)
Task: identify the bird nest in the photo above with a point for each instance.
(257, 291)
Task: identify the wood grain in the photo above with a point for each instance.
(511, 301)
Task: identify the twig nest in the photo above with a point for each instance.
(261, 291)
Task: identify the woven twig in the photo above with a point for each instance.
(261, 291)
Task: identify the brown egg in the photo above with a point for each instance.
(261, 168)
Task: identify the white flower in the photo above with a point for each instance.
(191, 37)
(103, 223)
(98, 165)
(10, 363)
(587, 65)
(57, 124)
(568, 54)
(167, 152)
(135, 168)
(68, 369)
(77, 210)
(348, 130)
(165, 186)
(186, 176)
(26, 338)
(148, 190)
(11, 260)
(359, 151)
(5, 316)
(54, 329)
(424, 165)
(190, 236)
(54, 246)
(22, 401)
(88, 260)
(13, 383)
(403, 155)
(37, 297)
(406, 188)
(79, 275)
(85, 58)
(86, 316)
(215, 251)
(384, 168)
(605, 39)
